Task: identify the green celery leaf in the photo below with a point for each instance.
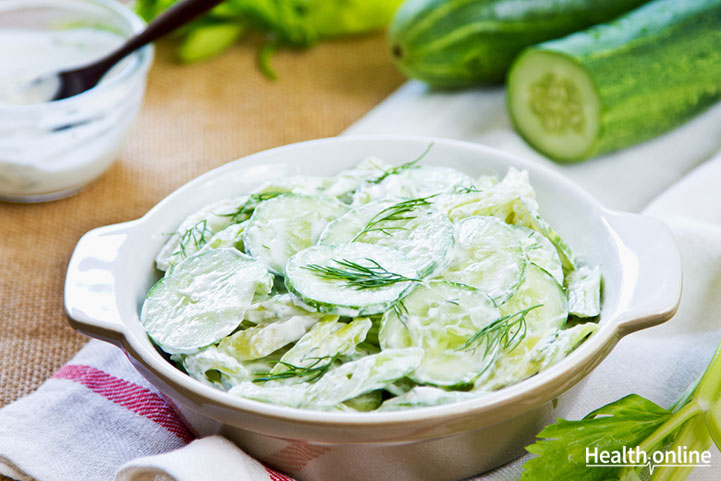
(561, 447)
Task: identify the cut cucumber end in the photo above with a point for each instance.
(554, 105)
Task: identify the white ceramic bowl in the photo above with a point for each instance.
(112, 269)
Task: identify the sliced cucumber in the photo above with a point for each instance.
(416, 229)
(370, 373)
(413, 183)
(584, 292)
(440, 317)
(348, 181)
(326, 339)
(203, 364)
(365, 402)
(488, 256)
(197, 229)
(539, 289)
(231, 236)
(296, 184)
(202, 299)
(336, 295)
(277, 308)
(540, 251)
(257, 342)
(424, 396)
(287, 224)
(290, 395)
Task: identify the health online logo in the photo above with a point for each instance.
(637, 458)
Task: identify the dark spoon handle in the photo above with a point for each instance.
(176, 16)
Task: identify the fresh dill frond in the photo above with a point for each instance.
(197, 236)
(244, 211)
(358, 276)
(396, 212)
(464, 189)
(316, 370)
(400, 168)
(401, 311)
(505, 333)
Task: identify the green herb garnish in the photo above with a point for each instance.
(400, 168)
(315, 370)
(396, 212)
(358, 276)
(246, 210)
(197, 236)
(505, 332)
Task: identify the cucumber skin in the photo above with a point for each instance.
(653, 68)
(458, 43)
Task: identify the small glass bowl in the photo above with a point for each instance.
(51, 150)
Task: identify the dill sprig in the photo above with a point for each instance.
(244, 211)
(358, 276)
(505, 333)
(197, 236)
(396, 212)
(464, 189)
(315, 370)
(400, 168)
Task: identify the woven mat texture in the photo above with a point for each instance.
(194, 118)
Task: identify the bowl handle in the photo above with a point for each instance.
(90, 300)
(652, 265)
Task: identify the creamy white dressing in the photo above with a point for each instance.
(48, 149)
(31, 57)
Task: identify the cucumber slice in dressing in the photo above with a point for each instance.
(554, 105)
(326, 339)
(258, 342)
(540, 251)
(584, 292)
(440, 317)
(424, 396)
(337, 295)
(197, 229)
(488, 256)
(370, 373)
(202, 299)
(413, 227)
(287, 224)
(413, 183)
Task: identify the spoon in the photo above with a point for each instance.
(78, 80)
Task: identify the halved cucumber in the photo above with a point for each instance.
(337, 295)
(540, 251)
(202, 299)
(488, 256)
(440, 317)
(554, 105)
(287, 224)
(419, 231)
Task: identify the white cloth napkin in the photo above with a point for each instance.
(97, 417)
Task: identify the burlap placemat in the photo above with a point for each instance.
(194, 118)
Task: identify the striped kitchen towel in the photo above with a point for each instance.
(97, 414)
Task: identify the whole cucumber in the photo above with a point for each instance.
(619, 83)
(457, 43)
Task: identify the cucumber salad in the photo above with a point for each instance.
(382, 288)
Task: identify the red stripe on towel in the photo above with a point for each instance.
(297, 455)
(276, 476)
(135, 398)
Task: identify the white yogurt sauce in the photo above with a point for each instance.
(56, 147)
(28, 55)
